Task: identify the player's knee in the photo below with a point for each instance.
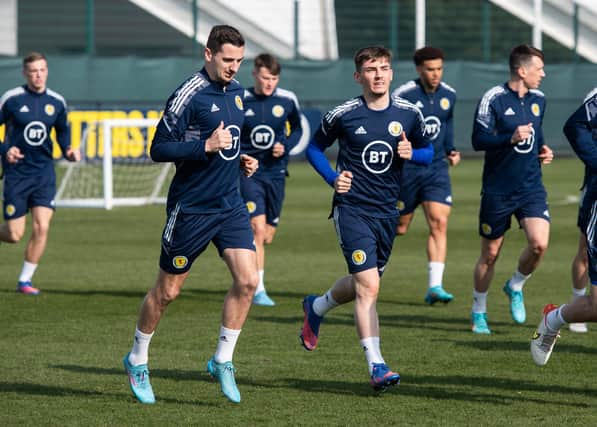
(439, 224)
(14, 236)
(259, 232)
(490, 258)
(401, 229)
(166, 294)
(40, 229)
(247, 283)
(539, 247)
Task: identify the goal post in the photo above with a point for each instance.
(115, 169)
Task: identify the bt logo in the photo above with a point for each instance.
(377, 157)
(35, 133)
(432, 127)
(526, 146)
(231, 152)
(262, 137)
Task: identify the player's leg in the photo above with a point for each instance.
(13, 230)
(41, 217)
(483, 274)
(235, 245)
(580, 279)
(165, 290)
(404, 223)
(437, 215)
(537, 235)
(260, 230)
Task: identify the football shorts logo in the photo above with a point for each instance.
(278, 111)
(10, 210)
(251, 206)
(535, 109)
(377, 156)
(239, 102)
(444, 103)
(395, 128)
(359, 257)
(449, 199)
(49, 109)
(523, 147)
(231, 152)
(486, 229)
(35, 133)
(262, 137)
(546, 213)
(433, 126)
(180, 261)
(400, 205)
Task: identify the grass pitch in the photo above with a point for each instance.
(62, 351)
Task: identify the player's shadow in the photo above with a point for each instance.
(32, 389)
(522, 346)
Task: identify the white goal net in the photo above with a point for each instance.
(115, 167)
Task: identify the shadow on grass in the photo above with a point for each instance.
(524, 346)
(31, 389)
(455, 387)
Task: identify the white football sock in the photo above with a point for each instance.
(517, 280)
(226, 344)
(436, 273)
(577, 293)
(27, 272)
(479, 302)
(554, 319)
(371, 346)
(324, 303)
(140, 350)
(260, 285)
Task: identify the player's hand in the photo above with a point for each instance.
(278, 149)
(343, 182)
(13, 155)
(521, 133)
(454, 157)
(545, 155)
(405, 148)
(248, 164)
(73, 155)
(220, 139)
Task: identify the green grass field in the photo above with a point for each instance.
(61, 352)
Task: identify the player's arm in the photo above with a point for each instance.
(486, 136)
(296, 129)
(63, 137)
(422, 149)
(171, 142)
(579, 130)
(317, 159)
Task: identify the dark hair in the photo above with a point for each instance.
(268, 62)
(427, 53)
(222, 34)
(32, 57)
(521, 55)
(372, 52)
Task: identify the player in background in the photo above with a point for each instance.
(581, 131)
(200, 133)
(430, 186)
(30, 112)
(375, 134)
(507, 127)
(268, 111)
(580, 267)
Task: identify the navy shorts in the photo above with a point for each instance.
(496, 211)
(365, 241)
(263, 196)
(186, 236)
(21, 194)
(424, 184)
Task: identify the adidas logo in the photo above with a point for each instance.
(214, 108)
(360, 131)
(24, 109)
(419, 104)
(509, 112)
(249, 113)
